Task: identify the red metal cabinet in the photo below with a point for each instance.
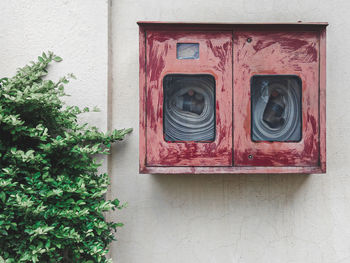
(232, 98)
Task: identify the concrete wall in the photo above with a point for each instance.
(186, 218)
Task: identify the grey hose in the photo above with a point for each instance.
(290, 128)
(184, 125)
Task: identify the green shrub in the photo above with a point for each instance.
(51, 194)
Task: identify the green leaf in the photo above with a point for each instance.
(116, 202)
(51, 193)
(2, 196)
(57, 59)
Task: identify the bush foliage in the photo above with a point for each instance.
(51, 194)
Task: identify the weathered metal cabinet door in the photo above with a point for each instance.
(188, 98)
(276, 98)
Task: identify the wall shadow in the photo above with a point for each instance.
(229, 192)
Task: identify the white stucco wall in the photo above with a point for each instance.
(203, 218)
(225, 218)
(75, 30)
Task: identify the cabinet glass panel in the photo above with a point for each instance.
(276, 108)
(187, 51)
(189, 107)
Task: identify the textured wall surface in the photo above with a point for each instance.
(224, 218)
(185, 218)
(75, 30)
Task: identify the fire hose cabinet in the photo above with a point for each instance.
(232, 98)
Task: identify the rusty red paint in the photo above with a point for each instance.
(231, 170)
(142, 91)
(322, 101)
(283, 48)
(287, 42)
(275, 53)
(215, 59)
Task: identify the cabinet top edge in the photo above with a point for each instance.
(200, 24)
